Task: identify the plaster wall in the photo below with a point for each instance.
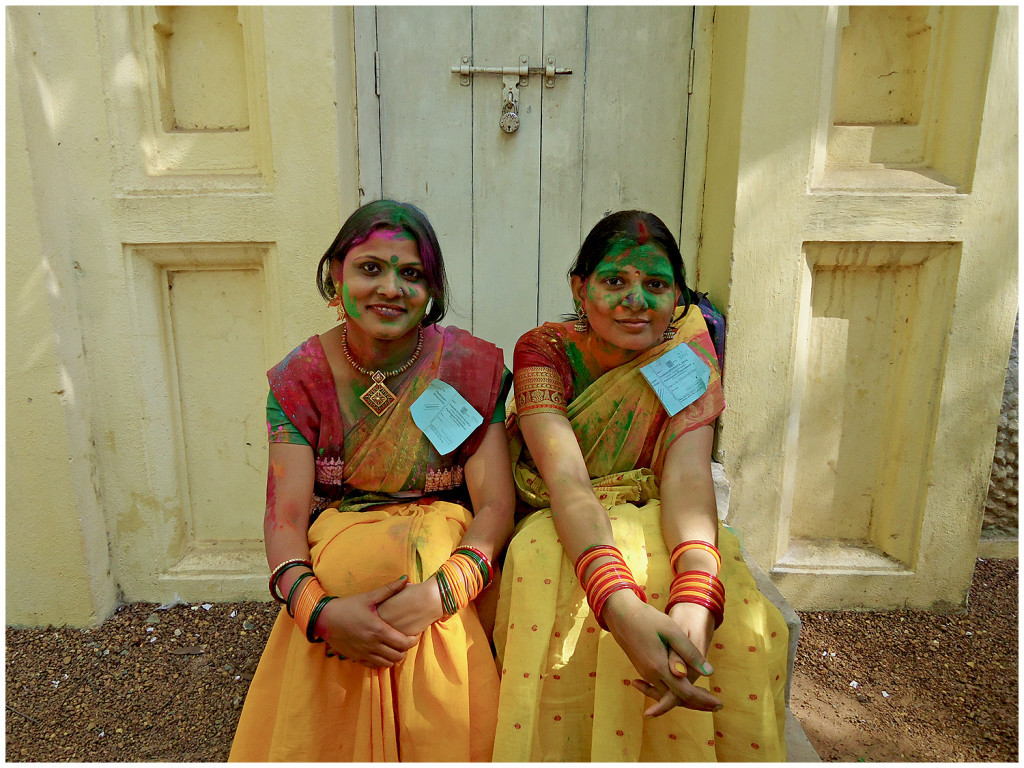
(821, 236)
(113, 207)
(57, 557)
(176, 265)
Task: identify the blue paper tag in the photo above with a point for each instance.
(678, 377)
(444, 416)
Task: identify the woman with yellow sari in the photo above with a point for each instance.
(623, 568)
(389, 491)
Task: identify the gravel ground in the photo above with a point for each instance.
(911, 686)
(167, 685)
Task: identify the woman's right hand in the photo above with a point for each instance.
(646, 634)
(351, 627)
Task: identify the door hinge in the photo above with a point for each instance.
(376, 72)
(689, 75)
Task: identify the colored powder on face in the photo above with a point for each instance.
(383, 234)
(649, 260)
(350, 306)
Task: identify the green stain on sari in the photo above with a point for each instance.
(581, 372)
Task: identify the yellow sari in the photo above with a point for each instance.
(565, 683)
(373, 523)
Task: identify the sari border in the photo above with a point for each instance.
(539, 389)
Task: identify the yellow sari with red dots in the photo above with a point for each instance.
(565, 686)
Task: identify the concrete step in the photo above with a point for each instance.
(798, 747)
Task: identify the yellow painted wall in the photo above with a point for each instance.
(182, 266)
(872, 298)
(58, 568)
(113, 206)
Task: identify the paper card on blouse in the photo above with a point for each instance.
(678, 377)
(444, 416)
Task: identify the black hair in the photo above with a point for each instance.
(390, 215)
(630, 228)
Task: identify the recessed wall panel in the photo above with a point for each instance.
(879, 319)
(216, 328)
(201, 62)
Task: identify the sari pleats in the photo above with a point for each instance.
(437, 705)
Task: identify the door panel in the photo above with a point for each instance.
(426, 131)
(510, 210)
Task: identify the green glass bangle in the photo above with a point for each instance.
(291, 592)
(486, 569)
(276, 575)
(442, 588)
(311, 627)
(447, 596)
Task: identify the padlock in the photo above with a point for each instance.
(509, 120)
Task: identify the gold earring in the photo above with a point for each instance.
(336, 302)
(581, 325)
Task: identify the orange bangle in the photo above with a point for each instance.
(590, 554)
(694, 544)
(311, 594)
(606, 579)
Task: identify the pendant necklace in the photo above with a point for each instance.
(378, 398)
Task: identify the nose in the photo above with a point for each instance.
(390, 285)
(635, 299)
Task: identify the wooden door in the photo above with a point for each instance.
(511, 209)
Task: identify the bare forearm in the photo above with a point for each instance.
(579, 518)
(688, 514)
(490, 529)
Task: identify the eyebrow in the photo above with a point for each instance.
(613, 270)
(386, 260)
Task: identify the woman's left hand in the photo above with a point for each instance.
(413, 609)
(646, 634)
(698, 624)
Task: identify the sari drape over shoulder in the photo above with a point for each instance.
(386, 504)
(565, 691)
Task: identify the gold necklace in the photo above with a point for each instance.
(378, 398)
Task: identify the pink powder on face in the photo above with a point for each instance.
(385, 235)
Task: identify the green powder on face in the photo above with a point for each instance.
(646, 259)
(350, 306)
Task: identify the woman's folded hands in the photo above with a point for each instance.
(664, 650)
(353, 628)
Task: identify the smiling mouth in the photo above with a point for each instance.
(386, 310)
(634, 323)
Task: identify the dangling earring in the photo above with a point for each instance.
(581, 325)
(336, 302)
(669, 334)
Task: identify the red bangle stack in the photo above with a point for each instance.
(607, 578)
(700, 588)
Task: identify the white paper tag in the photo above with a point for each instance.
(678, 377)
(444, 416)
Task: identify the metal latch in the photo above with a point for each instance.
(512, 79)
